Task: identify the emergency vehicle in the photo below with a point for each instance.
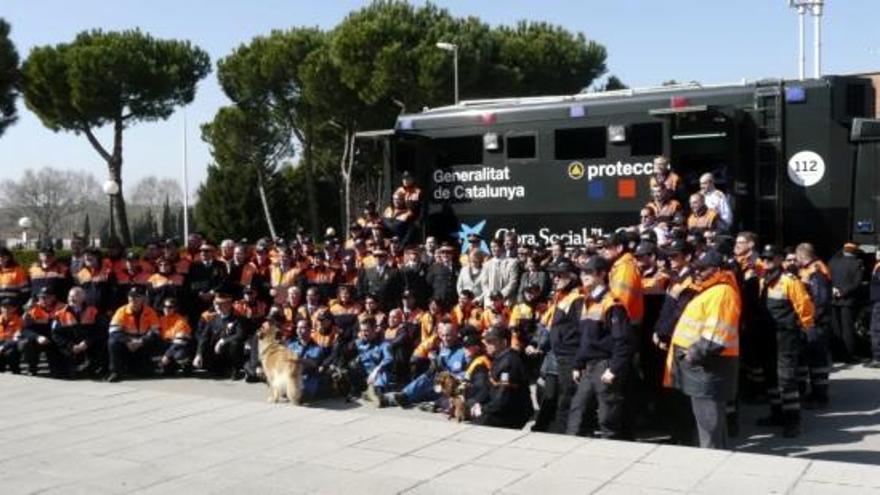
(799, 159)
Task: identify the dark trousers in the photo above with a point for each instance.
(711, 422)
(10, 357)
(875, 332)
(818, 360)
(596, 399)
(566, 388)
(230, 358)
(179, 353)
(31, 350)
(677, 411)
(784, 392)
(123, 360)
(95, 353)
(548, 396)
(844, 339)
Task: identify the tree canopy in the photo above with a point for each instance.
(319, 88)
(244, 146)
(8, 78)
(111, 78)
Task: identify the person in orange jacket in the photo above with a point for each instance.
(789, 312)
(134, 330)
(10, 330)
(623, 279)
(14, 281)
(175, 340)
(703, 357)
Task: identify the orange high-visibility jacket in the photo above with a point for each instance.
(626, 286)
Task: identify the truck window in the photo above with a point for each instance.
(522, 147)
(580, 143)
(459, 150)
(646, 139)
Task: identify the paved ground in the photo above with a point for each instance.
(205, 436)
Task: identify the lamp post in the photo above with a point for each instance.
(25, 223)
(452, 47)
(815, 7)
(111, 188)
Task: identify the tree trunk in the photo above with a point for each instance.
(114, 165)
(262, 189)
(116, 173)
(346, 165)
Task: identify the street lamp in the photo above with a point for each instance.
(25, 223)
(452, 47)
(111, 188)
(815, 7)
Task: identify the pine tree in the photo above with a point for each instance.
(166, 225)
(87, 230)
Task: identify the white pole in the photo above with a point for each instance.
(817, 40)
(802, 50)
(185, 186)
(455, 62)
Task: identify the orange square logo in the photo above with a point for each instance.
(626, 188)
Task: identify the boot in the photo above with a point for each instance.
(792, 426)
(775, 418)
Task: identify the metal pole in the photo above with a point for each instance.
(802, 53)
(817, 40)
(455, 69)
(185, 185)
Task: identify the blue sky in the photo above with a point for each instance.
(648, 42)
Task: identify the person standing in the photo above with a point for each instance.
(875, 315)
(703, 358)
(602, 362)
(789, 313)
(562, 320)
(816, 277)
(847, 272)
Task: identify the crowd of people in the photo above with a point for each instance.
(666, 324)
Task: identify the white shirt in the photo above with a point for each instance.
(717, 200)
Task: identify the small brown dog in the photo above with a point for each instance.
(453, 389)
(282, 368)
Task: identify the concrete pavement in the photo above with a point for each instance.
(203, 436)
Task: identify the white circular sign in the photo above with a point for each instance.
(806, 168)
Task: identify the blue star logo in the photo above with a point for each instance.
(467, 230)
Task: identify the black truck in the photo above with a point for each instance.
(800, 160)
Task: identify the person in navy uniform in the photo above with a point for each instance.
(602, 360)
(370, 370)
(221, 344)
(510, 400)
(311, 356)
(450, 357)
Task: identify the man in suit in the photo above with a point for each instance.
(442, 277)
(847, 272)
(381, 280)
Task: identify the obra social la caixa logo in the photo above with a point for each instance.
(465, 231)
(603, 176)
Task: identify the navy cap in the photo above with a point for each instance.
(595, 264)
(563, 266)
(497, 333)
(136, 291)
(709, 259)
(645, 248)
(771, 251)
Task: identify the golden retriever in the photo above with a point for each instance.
(281, 366)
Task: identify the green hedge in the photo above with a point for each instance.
(26, 257)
